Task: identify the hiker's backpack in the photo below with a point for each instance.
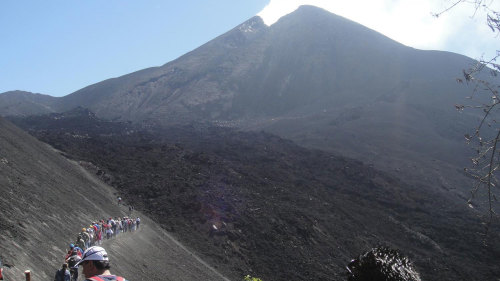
(73, 260)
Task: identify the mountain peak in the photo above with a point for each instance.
(309, 13)
(252, 25)
(271, 16)
(310, 8)
(241, 34)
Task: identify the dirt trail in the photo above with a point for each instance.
(150, 253)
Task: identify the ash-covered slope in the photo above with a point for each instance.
(253, 203)
(46, 199)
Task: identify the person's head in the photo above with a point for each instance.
(71, 246)
(94, 261)
(65, 266)
(382, 264)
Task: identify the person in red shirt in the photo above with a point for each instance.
(72, 249)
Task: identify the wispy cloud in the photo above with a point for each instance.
(408, 21)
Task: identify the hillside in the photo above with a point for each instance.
(26, 103)
(255, 203)
(46, 199)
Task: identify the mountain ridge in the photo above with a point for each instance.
(212, 51)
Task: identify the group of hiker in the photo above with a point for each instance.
(89, 238)
(97, 231)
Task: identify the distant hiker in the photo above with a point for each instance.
(90, 231)
(125, 224)
(129, 222)
(120, 226)
(382, 264)
(74, 250)
(113, 226)
(138, 222)
(63, 274)
(79, 242)
(132, 225)
(109, 232)
(119, 200)
(95, 263)
(98, 234)
(86, 238)
(130, 209)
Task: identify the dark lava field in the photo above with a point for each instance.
(254, 203)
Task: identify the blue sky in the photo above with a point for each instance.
(56, 47)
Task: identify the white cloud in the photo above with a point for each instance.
(408, 21)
